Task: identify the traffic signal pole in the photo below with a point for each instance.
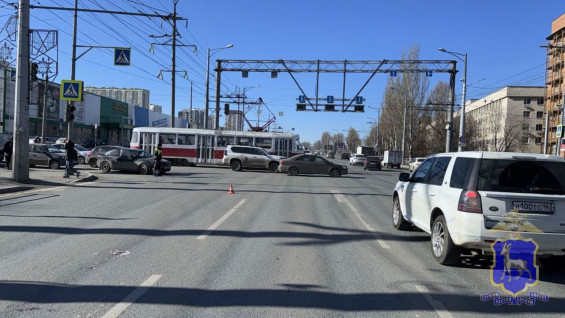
(20, 153)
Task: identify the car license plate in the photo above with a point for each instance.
(534, 207)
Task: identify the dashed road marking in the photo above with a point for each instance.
(342, 199)
(221, 220)
(132, 297)
(436, 305)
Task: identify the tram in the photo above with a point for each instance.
(188, 146)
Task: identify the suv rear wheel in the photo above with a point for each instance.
(273, 166)
(443, 249)
(235, 165)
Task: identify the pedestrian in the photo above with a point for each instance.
(8, 148)
(70, 158)
(157, 156)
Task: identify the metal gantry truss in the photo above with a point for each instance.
(332, 66)
(371, 67)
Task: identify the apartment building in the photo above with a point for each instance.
(134, 96)
(234, 120)
(555, 92)
(510, 119)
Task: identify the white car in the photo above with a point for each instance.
(356, 159)
(415, 163)
(461, 200)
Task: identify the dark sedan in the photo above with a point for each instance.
(345, 156)
(311, 164)
(92, 155)
(126, 159)
(372, 163)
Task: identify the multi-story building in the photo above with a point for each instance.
(156, 108)
(197, 118)
(510, 119)
(234, 120)
(555, 92)
(212, 122)
(134, 96)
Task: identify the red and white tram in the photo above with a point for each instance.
(205, 146)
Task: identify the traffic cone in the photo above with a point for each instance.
(231, 190)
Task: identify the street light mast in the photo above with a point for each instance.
(207, 99)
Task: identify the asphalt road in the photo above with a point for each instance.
(180, 246)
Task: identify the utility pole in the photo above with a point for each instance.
(44, 117)
(190, 113)
(20, 153)
(173, 67)
(73, 65)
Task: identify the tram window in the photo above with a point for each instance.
(244, 141)
(297, 144)
(188, 140)
(134, 137)
(168, 139)
(264, 142)
(223, 141)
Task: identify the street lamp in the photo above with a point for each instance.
(210, 53)
(462, 118)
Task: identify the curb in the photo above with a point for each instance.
(88, 178)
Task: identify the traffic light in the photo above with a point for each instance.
(70, 112)
(226, 109)
(33, 70)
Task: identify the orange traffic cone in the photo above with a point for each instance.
(231, 190)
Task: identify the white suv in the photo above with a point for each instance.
(462, 199)
(238, 157)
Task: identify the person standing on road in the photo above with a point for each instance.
(8, 147)
(157, 156)
(71, 157)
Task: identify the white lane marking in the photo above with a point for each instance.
(221, 220)
(379, 238)
(438, 306)
(132, 297)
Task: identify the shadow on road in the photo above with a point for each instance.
(291, 297)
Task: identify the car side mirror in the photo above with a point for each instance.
(404, 177)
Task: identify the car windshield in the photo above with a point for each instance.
(522, 176)
(80, 148)
(142, 154)
(370, 158)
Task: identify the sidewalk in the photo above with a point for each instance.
(42, 177)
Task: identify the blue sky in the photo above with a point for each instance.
(502, 39)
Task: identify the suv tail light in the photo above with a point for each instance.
(89, 153)
(470, 201)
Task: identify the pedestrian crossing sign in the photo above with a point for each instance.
(122, 56)
(71, 90)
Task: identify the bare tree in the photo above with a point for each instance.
(353, 139)
(434, 132)
(318, 145)
(506, 133)
(326, 141)
(407, 91)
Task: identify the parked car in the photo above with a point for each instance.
(45, 155)
(238, 157)
(345, 156)
(372, 163)
(460, 198)
(92, 155)
(48, 140)
(126, 159)
(357, 160)
(331, 155)
(81, 151)
(311, 164)
(415, 163)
